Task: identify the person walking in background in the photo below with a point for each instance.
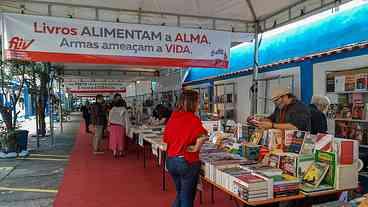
(118, 122)
(318, 107)
(185, 135)
(86, 116)
(100, 121)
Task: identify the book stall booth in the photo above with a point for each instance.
(258, 167)
(253, 166)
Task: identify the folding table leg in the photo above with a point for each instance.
(200, 197)
(158, 156)
(144, 155)
(212, 194)
(163, 170)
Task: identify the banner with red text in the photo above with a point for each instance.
(53, 39)
(94, 86)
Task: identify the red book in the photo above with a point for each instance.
(346, 152)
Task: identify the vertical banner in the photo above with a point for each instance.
(52, 39)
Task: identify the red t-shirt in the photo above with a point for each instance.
(181, 131)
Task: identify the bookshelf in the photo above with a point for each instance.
(225, 100)
(348, 91)
(351, 120)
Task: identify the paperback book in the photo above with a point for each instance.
(304, 162)
(349, 83)
(315, 174)
(324, 142)
(330, 87)
(339, 83)
(297, 142)
(328, 158)
(311, 189)
(361, 82)
(288, 163)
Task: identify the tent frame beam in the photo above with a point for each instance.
(272, 17)
(268, 22)
(139, 12)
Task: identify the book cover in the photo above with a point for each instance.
(347, 176)
(339, 145)
(361, 82)
(328, 158)
(330, 84)
(257, 136)
(297, 142)
(339, 83)
(309, 145)
(324, 142)
(315, 174)
(304, 162)
(288, 163)
(311, 189)
(342, 129)
(274, 160)
(289, 134)
(350, 83)
(275, 139)
(358, 111)
(365, 113)
(346, 152)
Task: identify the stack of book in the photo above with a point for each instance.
(253, 187)
(226, 175)
(285, 185)
(214, 160)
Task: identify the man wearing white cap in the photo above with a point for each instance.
(289, 113)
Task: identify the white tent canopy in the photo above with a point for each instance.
(230, 15)
(224, 15)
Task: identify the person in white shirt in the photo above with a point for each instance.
(118, 118)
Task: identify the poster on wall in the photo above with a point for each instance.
(54, 39)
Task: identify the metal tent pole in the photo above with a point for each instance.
(60, 108)
(51, 106)
(255, 71)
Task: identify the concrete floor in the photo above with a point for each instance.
(22, 182)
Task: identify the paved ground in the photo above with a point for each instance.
(33, 182)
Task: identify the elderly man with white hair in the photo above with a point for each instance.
(318, 108)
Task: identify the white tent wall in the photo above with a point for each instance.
(319, 77)
(294, 71)
(170, 81)
(244, 83)
(138, 88)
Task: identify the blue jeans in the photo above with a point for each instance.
(185, 177)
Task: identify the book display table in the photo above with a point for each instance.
(220, 169)
(151, 138)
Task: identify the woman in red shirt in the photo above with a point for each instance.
(185, 135)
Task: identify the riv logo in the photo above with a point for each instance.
(18, 43)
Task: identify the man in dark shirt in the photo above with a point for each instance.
(100, 116)
(289, 114)
(86, 115)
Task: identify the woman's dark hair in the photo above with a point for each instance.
(188, 101)
(120, 103)
(117, 96)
